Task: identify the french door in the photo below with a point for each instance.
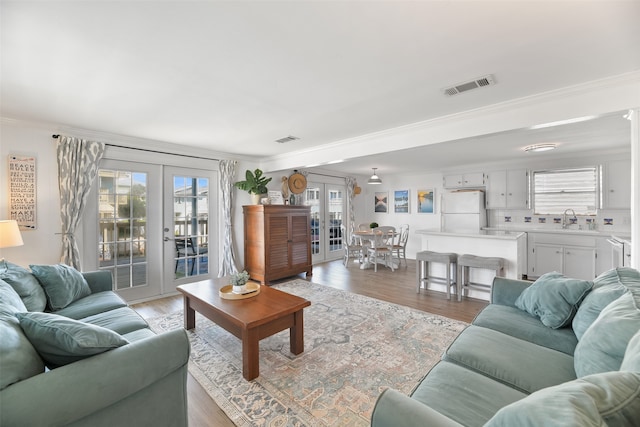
(151, 226)
(328, 207)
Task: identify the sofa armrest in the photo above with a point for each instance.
(99, 281)
(506, 291)
(70, 393)
(394, 409)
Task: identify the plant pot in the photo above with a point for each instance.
(255, 198)
(239, 289)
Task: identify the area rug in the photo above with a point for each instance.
(355, 347)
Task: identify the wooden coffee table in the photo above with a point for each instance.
(250, 319)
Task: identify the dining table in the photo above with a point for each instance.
(369, 235)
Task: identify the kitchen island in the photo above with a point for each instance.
(510, 246)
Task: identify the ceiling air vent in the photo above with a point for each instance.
(473, 84)
(286, 139)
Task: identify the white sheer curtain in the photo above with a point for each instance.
(227, 175)
(77, 168)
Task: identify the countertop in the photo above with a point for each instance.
(482, 234)
(625, 235)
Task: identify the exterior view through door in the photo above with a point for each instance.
(327, 203)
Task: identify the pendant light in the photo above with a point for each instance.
(375, 179)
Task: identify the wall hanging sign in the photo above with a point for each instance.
(22, 191)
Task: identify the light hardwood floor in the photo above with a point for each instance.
(398, 287)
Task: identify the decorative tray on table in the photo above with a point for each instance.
(252, 289)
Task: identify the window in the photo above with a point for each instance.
(554, 191)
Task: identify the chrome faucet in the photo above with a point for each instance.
(565, 223)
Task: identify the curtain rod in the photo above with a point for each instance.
(151, 151)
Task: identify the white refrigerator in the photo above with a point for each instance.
(463, 211)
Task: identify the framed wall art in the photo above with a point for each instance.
(381, 202)
(426, 201)
(401, 201)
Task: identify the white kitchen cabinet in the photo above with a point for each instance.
(573, 256)
(475, 179)
(508, 189)
(616, 185)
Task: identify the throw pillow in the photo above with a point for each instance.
(60, 340)
(9, 299)
(553, 298)
(26, 285)
(611, 399)
(607, 287)
(62, 284)
(631, 361)
(603, 345)
(18, 359)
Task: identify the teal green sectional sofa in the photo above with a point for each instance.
(72, 353)
(558, 352)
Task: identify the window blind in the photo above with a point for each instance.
(561, 189)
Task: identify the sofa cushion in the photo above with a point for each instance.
(18, 359)
(610, 398)
(554, 298)
(121, 320)
(603, 345)
(449, 387)
(502, 357)
(607, 287)
(631, 360)
(520, 324)
(61, 341)
(26, 285)
(139, 334)
(62, 284)
(92, 304)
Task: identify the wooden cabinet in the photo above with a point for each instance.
(475, 179)
(508, 189)
(277, 241)
(616, 187)
(573, 256)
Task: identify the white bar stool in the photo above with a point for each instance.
(423, 259)
(465, 262)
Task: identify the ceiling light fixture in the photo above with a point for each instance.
(539, 147)
(563, 122)
(375, 179)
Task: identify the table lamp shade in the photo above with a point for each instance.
(10, 234)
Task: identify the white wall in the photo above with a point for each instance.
(416, 221)
(42, 245)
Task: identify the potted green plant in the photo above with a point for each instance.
(373, 225)
(255, 183)
(239, 282)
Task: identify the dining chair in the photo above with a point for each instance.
(382, 246)
(352, 246)
(400, 247)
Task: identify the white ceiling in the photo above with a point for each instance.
(235, 76)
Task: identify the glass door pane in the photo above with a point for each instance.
(122, 221)
(190, 244)
(327, 214)
(191, 226)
